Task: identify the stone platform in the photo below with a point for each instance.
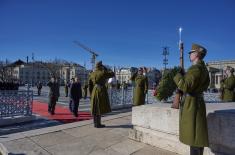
(79, 138)
(157, 125)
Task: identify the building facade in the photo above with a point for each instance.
(123, 75)
(80, 72)
(33, 73)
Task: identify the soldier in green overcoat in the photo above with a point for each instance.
(99, 96)
(193, 123)
(228, 86)
(141, 87)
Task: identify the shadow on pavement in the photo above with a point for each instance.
(119, 126)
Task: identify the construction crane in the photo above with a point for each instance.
(93, 53)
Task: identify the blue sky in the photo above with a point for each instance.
(123, 32)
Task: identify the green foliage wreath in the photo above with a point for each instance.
(167, 86)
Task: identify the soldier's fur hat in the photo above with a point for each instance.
(200, 49)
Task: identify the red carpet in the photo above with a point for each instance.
(62, 114)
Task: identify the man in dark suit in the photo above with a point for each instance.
(75, 96)
(53, 95)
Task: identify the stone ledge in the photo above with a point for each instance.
(158, 139)
(158, 125)
(16, 119)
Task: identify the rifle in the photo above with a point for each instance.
(179, 94)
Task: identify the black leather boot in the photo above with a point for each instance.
(95, 121)
(99, 125)
(201, 150)
(195, 150)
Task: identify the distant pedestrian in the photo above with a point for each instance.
(66, 88)
(99, 98)
(228, 85)
(118, 85)
(75, 96)
(141, 86)
(39, 87)
(53, 95)
(124, 85)
(85, 90)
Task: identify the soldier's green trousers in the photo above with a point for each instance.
(97, 118)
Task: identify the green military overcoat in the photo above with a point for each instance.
(99, 95)
(228, 87)
(193, 123)
(140, 90)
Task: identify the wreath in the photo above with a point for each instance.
(166, 86)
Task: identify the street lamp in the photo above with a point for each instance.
(32, 69)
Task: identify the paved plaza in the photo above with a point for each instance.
(44, 136)
(80, 138)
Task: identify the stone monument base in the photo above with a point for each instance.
(158, 124)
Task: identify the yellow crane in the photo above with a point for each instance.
(92, 52)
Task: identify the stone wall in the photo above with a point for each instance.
(157, 125)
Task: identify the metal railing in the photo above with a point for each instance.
(16, 103)
(122, 98)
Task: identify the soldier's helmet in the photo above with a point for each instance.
(98, 64)
(200, 49)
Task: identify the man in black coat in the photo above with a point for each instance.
(75, 96)
(53, 95)
(39, 87)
